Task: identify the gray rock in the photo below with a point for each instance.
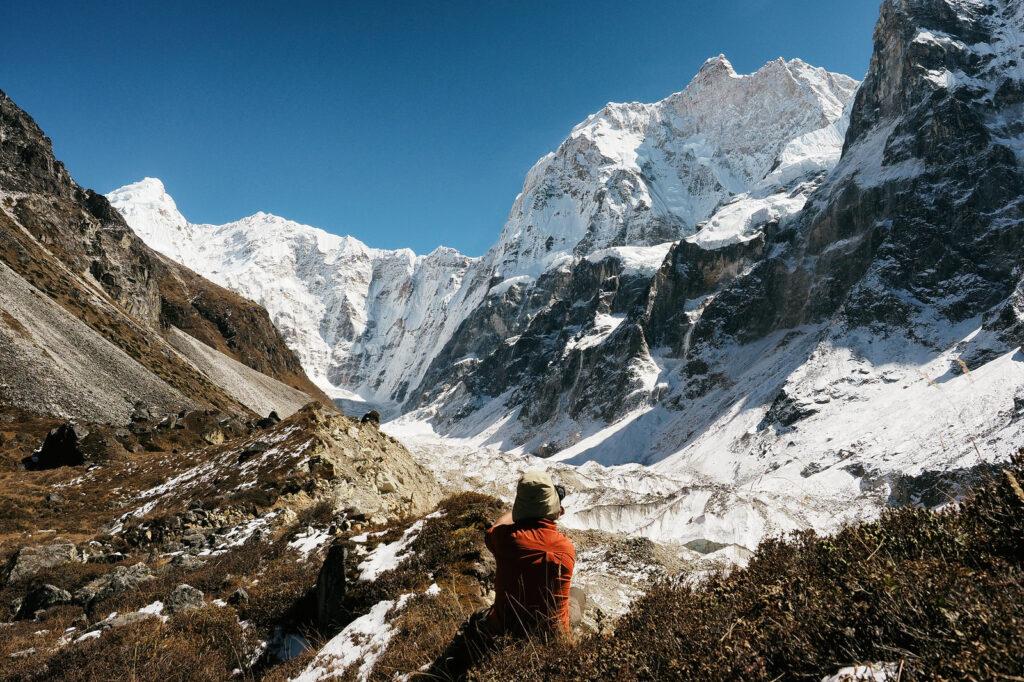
(31, 560)
(238, 597)
(183, 598)
(111, 558)
(41, 597)
(130, 618)
(270, 420)
(121, 579)
(187, 561)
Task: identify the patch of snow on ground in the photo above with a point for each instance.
(309, 541)
(240, 534)
(362, 641)
(875, 672)
(387, 556)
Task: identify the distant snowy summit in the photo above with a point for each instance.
(714, 162)
(724, 154)
(340, 304)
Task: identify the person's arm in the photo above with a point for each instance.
(504, 520)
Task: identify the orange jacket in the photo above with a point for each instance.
(534, 570)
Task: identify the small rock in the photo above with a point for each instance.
(194, 540)
(187, 561)
(111, 558)
(183, 598)
(121, 579)
(214, 437)
(130, 618)
(24, 653)
(250, 451)
(141, 413)
(239, 596)
(270, 420)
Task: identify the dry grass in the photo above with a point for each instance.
(203, 644)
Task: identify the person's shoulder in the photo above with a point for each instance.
(565, 544)
(500, 531)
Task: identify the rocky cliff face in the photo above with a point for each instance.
(909, 243)
(82, 287)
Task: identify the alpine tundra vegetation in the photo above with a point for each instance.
(766, 333)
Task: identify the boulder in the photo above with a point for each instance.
(31, 560)
(187, 561)
(239, 597)
(39, 598)
(183, 598)
(577, 605)
(271, 419)
(121, 579)
(62, 447)
(250, 451)
(130, 618)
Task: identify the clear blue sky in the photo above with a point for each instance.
(401, 123)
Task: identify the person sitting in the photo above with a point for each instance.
(535, 561)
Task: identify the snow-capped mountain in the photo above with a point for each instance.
(362, 320)
(728, 149)
(368, 323)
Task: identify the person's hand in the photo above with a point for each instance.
(504, 520)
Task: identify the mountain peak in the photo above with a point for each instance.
(716, 67)
(147, 194)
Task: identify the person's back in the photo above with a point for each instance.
(534, 561)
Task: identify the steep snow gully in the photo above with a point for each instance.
(767, 302)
